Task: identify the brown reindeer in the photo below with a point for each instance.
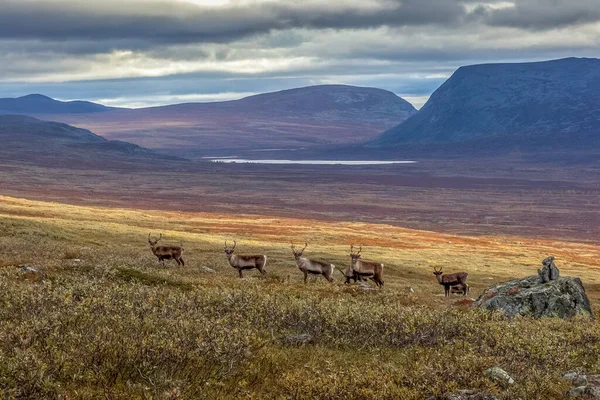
(360, 269)
(166, 252)
(312, 267)
(451, 280)
(241, 262)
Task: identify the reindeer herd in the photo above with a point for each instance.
(359, 270)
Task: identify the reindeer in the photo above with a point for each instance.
(451, 280)
(360, 269)
(241, 263)
(312, 267)
(166, 252)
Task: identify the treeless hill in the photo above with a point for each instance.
(37, 142)
(305, 117)
(40, 104)
(539, 105)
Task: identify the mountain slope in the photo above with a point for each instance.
(39, 104)
(331, 114)
(34, 141)
(507, 104)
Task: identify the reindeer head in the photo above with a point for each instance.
(298, 254)
(229, 250)
(437, 272)
(153, 242)
(353, 255)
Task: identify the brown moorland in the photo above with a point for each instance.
(104, 319)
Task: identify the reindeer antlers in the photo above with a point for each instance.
(352, 249)
(435, 269)
(294, 247)
(160, 237)
(234, 244)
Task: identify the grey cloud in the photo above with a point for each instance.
(542, 14)
(170, 22)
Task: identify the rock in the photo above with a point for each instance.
(301, 339)
(549, 271)
(410, 290)
(75, 260)
(500, 376)
(466, 395)
(584, 386)
(208, 270)
(577, 379)
(364, 285)
(29, 269)
(585, 392)
(564, 297)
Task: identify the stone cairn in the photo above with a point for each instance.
(549, 271)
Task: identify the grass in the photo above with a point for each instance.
(117, 325)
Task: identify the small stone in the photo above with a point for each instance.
(410, 290)
(364, 285)
(576, 378)
(29, 269)
(585, 392)
(301, 339)
(208, 270)
(577, 392)
(499, 376)
(75, 260)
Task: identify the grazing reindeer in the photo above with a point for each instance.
(241, 263)
(450, 280)
(312, 267)
(360, 269)
(166, 252)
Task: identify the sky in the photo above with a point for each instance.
(137, 53)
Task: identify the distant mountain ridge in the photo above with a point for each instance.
(40, 104)
(303, 117)
(32, 140)
(506, 104)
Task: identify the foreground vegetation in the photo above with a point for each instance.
(103, 320)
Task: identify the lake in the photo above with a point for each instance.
(307, 162)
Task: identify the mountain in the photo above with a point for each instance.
(34, 141)
(507, 105)
(289, 119)
(39, 104)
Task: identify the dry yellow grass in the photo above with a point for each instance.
(408, 254)
(117, 325)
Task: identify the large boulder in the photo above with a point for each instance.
(564, 297)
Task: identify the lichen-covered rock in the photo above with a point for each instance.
(577, 379)
(500, 376)
(564, 297)
(583, 386)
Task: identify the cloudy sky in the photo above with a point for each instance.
(146, 52)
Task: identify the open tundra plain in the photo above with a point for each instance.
(96, 316)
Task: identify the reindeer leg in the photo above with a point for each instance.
(182, 262)
(305, 276)
(240, 272)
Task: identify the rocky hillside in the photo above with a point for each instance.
(39, 104)
(507, 104)
(305, 117)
